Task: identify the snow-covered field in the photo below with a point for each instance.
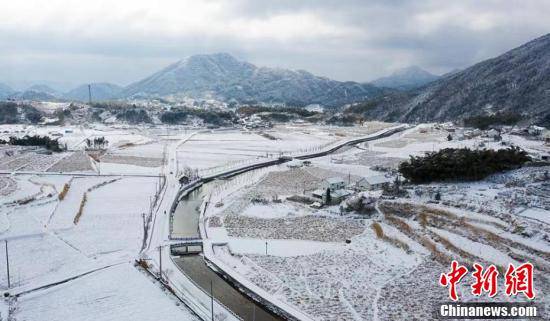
(299, 257)
(89, 238)
(119, 292)
(324, 262)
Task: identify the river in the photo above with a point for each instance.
(185, 225)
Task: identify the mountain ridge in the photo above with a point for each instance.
(222, 76)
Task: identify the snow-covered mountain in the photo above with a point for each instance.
(44, 89)
(34, 92)
(100, 91)
(405, 79)
(5, 91)
(517, 81)
(223, 77)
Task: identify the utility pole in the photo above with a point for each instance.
(90, 93)
(212, 299)
(266, 248)
(7, 263)
(160, 262)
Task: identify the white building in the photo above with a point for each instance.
(294, 164)
(335, 183)
(493, 133)
(336, 196)
(373, 182)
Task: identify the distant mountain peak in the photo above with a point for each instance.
(406, 78)
(43, 89)
(100, 91)
(5, 91)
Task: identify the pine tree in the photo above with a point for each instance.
(328, 198)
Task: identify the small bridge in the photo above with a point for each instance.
(187, 247)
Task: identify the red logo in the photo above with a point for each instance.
(485, 281)
(517, 280)
(520, 280)
(452, 278)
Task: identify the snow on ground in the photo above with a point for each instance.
(391, 278)
(270, 211)
(323, 263)
(537, 214)
(213, 149)
(329, 280)
(42, 259)
(23, 189)
(117, 293)
(480, 250)
(4, 309)
(48, 244)
(111, 224)
(66, 209)
(279, 247)
(27, 219)
(78, 161)
(126, 169)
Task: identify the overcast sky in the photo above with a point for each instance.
(72, 42)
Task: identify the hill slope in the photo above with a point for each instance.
(517, 81)
(100, 91)
(5, 91)
(223, 77)
(44, 89)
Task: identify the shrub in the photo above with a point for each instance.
(64, 192)
(378, 230)
(80, 209)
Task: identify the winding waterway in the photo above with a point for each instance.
(185, 225)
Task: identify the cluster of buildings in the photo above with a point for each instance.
(495, 133)
(336, 189)
(254, 122)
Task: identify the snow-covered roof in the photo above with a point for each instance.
(336, 193)
(335, 180)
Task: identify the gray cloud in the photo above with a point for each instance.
(347, 40)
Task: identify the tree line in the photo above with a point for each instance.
(13, 113)
(463, 164)
(43, 141)
(486, 121)
(214, 117)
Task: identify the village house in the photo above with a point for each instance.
(295, 163)
(336, 196)
(373, 182)
(493, 134)
(335, 183)
(334, 188)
